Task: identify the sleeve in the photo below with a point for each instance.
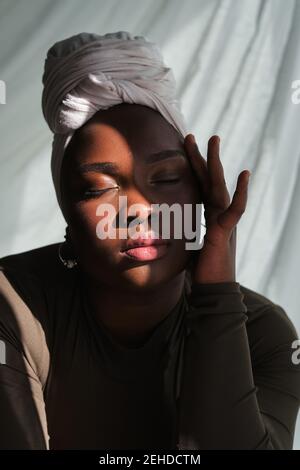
(238, 397)
(23, 366)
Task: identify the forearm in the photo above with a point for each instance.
(221, 403)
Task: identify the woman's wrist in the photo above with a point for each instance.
(218, 297)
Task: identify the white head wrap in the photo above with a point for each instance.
(88, 72)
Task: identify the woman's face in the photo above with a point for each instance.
(116, 153)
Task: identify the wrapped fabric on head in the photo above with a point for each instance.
(87, 72)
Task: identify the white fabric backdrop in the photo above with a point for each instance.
(234, 62)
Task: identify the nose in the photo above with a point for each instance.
(138, 210)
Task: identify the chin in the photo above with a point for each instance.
(145, 278)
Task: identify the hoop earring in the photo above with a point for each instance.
(69, 263)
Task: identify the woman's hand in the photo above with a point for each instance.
(215, 262)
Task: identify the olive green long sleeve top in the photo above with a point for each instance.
(216, 373)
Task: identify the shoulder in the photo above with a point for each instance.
(23, 275)
(274, 344)
(36, 272)
(267, 319)
(37, 277)
(30, 284)
(40, 263)
(24, 316)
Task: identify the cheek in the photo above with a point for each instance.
(188, 192)
(188, 197)
(84, 228)
(193, 190)
(83, 224)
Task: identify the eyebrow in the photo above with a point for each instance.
(111, 168)
(99, 167)
(163, 155)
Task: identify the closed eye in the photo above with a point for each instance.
(166, 181)
(92, 193)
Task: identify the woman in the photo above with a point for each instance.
(137, 343)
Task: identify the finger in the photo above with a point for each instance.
(198, 162)
(232, 215)
(219, 192)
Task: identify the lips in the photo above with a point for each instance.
(145, 249)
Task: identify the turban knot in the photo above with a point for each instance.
(87, 72)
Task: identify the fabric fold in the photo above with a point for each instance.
(87, 72)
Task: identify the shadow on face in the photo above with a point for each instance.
(127, 150)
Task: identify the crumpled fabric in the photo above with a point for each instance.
(87, 72)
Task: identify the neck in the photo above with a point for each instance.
(130, 317)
